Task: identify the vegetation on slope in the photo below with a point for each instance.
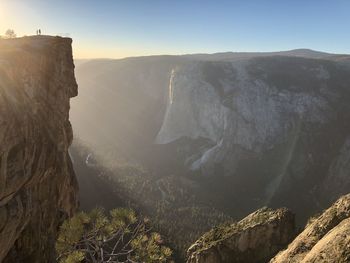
(169, 201)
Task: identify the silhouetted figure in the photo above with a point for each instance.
(39, 31)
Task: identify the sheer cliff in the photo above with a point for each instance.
(37, 182)
(273, 123)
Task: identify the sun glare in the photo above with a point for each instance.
(4, 18)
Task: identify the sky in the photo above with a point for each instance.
(123, 28)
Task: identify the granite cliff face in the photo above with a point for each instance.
(255, 238)
(251, 111)
(37, 182)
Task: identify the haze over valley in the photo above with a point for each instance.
(172, 132)
(214, 137)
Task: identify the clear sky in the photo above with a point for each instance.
(120, 28)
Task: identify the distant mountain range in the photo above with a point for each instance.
(228, 56)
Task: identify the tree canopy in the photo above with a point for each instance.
(10, 33)
(118, 237)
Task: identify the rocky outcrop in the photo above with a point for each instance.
(256, 238)
(259, 236)
(37, 183)
(325, 239)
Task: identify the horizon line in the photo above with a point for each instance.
(214, 53)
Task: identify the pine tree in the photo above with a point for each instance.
(120, 237)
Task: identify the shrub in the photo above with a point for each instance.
(10, 33)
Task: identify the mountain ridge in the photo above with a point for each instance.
(227, 55)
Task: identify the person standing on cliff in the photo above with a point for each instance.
(39, 31)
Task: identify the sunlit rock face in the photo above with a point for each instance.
(231, 105)
(37, 181)
(256, 238)
(234, 102)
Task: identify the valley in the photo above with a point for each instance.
(198, 140)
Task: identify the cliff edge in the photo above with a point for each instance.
(38, 187)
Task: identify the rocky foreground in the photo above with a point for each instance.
(325, 239)
(37, 181)
(256, 238)
(259, 236)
